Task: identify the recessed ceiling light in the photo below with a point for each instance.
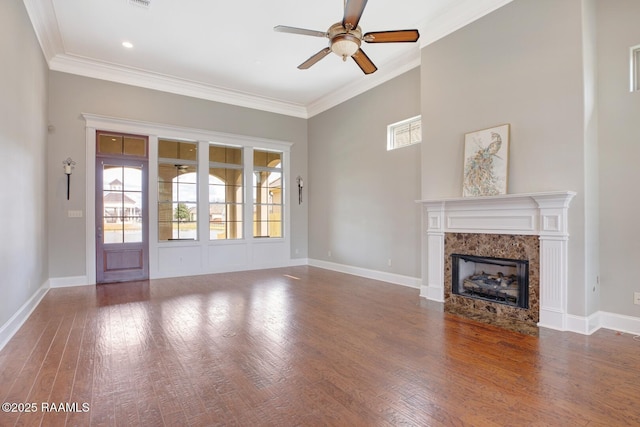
(128, 45)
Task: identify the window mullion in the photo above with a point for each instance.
(203, 191)
(248, 193)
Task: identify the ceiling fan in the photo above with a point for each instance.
(345, 37)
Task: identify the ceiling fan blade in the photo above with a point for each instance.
(315, 58)
(392, 36)
(303, 31)
(352, 13)
(364, 62)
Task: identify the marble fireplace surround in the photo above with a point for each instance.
(540, 214)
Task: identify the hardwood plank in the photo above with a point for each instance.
(303, 346)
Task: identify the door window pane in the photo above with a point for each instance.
(122, 210)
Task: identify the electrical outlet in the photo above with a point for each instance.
(636, 298)
(389, 262)
(329, 254)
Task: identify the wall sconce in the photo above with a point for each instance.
(300, 186)
(68, 167)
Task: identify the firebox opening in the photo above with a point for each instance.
(499, 280)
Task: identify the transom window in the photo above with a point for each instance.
(404, 133)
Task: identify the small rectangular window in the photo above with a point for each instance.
(635, 68)
(406, 132)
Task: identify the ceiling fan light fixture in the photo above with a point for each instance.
(345, 45)
(345, 38)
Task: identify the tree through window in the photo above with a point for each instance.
(177, 190)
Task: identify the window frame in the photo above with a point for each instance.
(242, 204)
(393, 128)
(268, 205)
(176, 163)
(179, 258)
(634, 68)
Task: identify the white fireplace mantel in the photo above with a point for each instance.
(541, 214)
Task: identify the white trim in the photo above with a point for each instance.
(619, 322)
(448, 20)
(603, 320)
(540, 214)
(43, 19)
(90, 203)
(399, 65)
(452, 18)
(634, 68)
(66, 282)
(11, 326)
(576, 324)
(396, 279)
(193, 257)
(142, 78)
(393, 128)
(582, 325)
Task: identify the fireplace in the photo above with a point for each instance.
(531, 227)
(500, 280)
(495, 255)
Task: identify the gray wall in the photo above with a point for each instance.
(619, 149)
(72, 95)
(362, 197)
(23, 135)
(522, 65)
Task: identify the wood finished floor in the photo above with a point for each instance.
(302, 346)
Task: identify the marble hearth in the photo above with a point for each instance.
(519, 225)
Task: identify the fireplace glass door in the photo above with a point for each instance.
(499, 280)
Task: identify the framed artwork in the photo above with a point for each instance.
(486, 157)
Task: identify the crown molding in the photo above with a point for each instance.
(142, 78)
(44, 22)
(43, 19)
(397, 66)
(453, 18)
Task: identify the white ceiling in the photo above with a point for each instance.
(227, 51)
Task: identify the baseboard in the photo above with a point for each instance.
(8, 330)
(602, 319)
(578, 324)
(619, 322)
(65, 282)
(432, 293)
(296, 262)
(397, 279)
(583, 325)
